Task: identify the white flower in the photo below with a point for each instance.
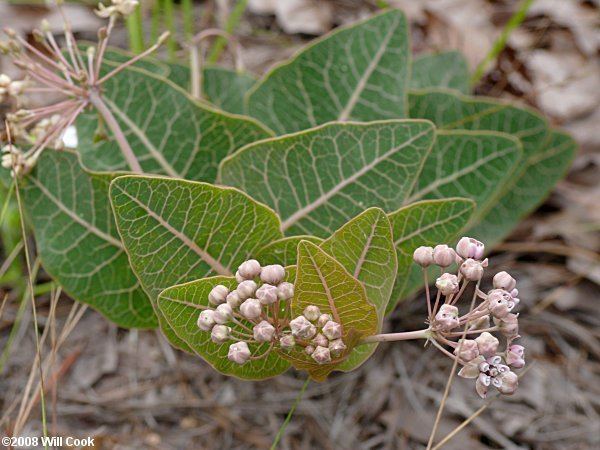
(122, 7)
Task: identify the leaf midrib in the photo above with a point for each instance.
(322, 199)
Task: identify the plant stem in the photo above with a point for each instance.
(515, 20)
(112, 123)
(169, 11)
(404, 336)
(188, 18)
(157, 8)
(289, 415)
(135, 30)
(232, 20)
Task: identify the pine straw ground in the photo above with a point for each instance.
(131, 390)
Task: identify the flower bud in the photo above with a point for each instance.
(499, 303)
(470, 248)
(471, 369)
(238, 277)
(249, 269)
(487, 344)
(309, 349)
(480, 323)
(312, 312)
(223, 313)
(447, 284)
(509, 383)
(509, 325)
(206, 320)
(267, 294)
(502, 280)
(468, 350)
(515, 356)
(220, 334)
(446, 318)
(302, 328)
(238, 353)
(443, 255)
(472, 270)
(285, 291)
(273, 274)
(423, 256)
(246, 289)
(323, 319)
(332, 330)
(482, 384)
(218, 294)
(5, 80)
(287, 342)
(263, 332)
(233, 299)
(337, 347)
(320, 340)
(251, 308)
(321, 355)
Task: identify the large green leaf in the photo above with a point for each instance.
(181, 305)
(542, 172)
(359, 72)
(453, 111)
(284, 251)
(469, 164)
(429, 222)
(440, 70)
(177, 231)
(78, 241)
(324, 282)
(318, 179)
(169, 132)
(365, 248)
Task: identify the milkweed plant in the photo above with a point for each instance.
(274, 222)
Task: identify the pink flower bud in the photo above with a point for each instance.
(423, 256)
(220, 334)
(470, 248)
(218, 294)
(472, 270)
(480, 324)
(309, 349)
(238, 353)
(287, 342)
(321, 355)
(246, 289)
(263, 332)
(515, 356)
(223, 313)
(332, 330)
(238, 277)
(509, 325)
(320, 340)
(302, 328)
(443, 255)
(267, 294)
(285, 291)
(323, 319)
(487, 344)
(206, 320)
(500, 303)
(273, 274)
(468, 350)
(249, 269)
(509, 383)
(233, 299)
(251, 308)
(447, 284)
(446, 318)
(337, 347)
(502, 280)
(312, 313)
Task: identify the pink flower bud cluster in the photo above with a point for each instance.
(253, 306)
(318, 333)
(478, 352)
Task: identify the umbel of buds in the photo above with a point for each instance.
(469, 337)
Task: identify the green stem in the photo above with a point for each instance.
(169, 11)
(516, 20)
(157, 8)
(136, 31)
(188, 19)
(289, 415)
(230, 24)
